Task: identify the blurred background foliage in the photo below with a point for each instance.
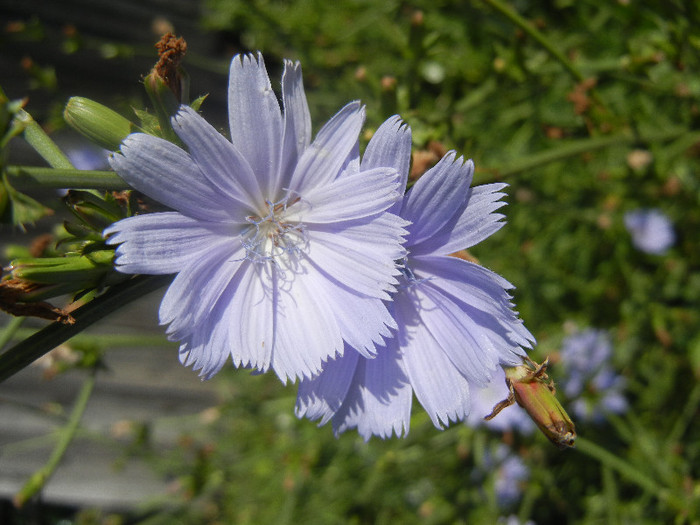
(588, 109)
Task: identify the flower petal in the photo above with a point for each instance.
(220, 162)
(168, 175)
(435, 198)
(379, 399)
(349, 197)
(476, 221)
(297, 122)
(352, 264)
(324, 159)
(482, 295)
(162, 243)
(205, 350)
(322, 396)
(249, 316)
(196, 290)
(306, 333)
(439, 387)
(363, 321)
(255, 119)
(459, 338)
(390, 146)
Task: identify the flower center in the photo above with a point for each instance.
(272, 238)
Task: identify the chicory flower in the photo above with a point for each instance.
(651, 231)
(456, 323)
(283, 248)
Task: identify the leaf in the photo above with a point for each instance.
(19, 209)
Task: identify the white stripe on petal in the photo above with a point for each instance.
(196, 289)
(250, 317)
(359, 270)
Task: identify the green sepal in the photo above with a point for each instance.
(165, 104)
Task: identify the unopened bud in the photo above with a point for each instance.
(96, 122)
(82, 271)
(536, 395)
(531, 389)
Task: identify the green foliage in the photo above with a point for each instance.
(587, 109)
(577, 155)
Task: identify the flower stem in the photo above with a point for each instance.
(610, 460)
(108, 340)
(10, 330)
(37, 481)
(30, 177)
(24, 353)
(687, 416)
(577, 147)
(40, 141)
(529, 29)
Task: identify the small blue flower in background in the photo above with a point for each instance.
(456, 323)
(88, 156)
(588, 378)
(283, 248)
(513, 520)
(508, 472)
(484, 399)
(651, 230)
(511, 475)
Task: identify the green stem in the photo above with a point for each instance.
(37, 481)
(24, 353)
(40, 141)
(107, 340)
(10, 330)
(577, 147)
(29, 177)
(686, 417)
(610, 460)
(529, 29)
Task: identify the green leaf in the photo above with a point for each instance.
(17, 208)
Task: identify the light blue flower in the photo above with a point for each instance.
(588, 379)
(511, 475)
(503, 470)
(282, 247)
(651, 230)
(513, 520)
(456, 323)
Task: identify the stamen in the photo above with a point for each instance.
(271, 238)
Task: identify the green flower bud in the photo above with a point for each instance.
(535, 394)
(531, 388)
(82, 271)
(98, 123)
